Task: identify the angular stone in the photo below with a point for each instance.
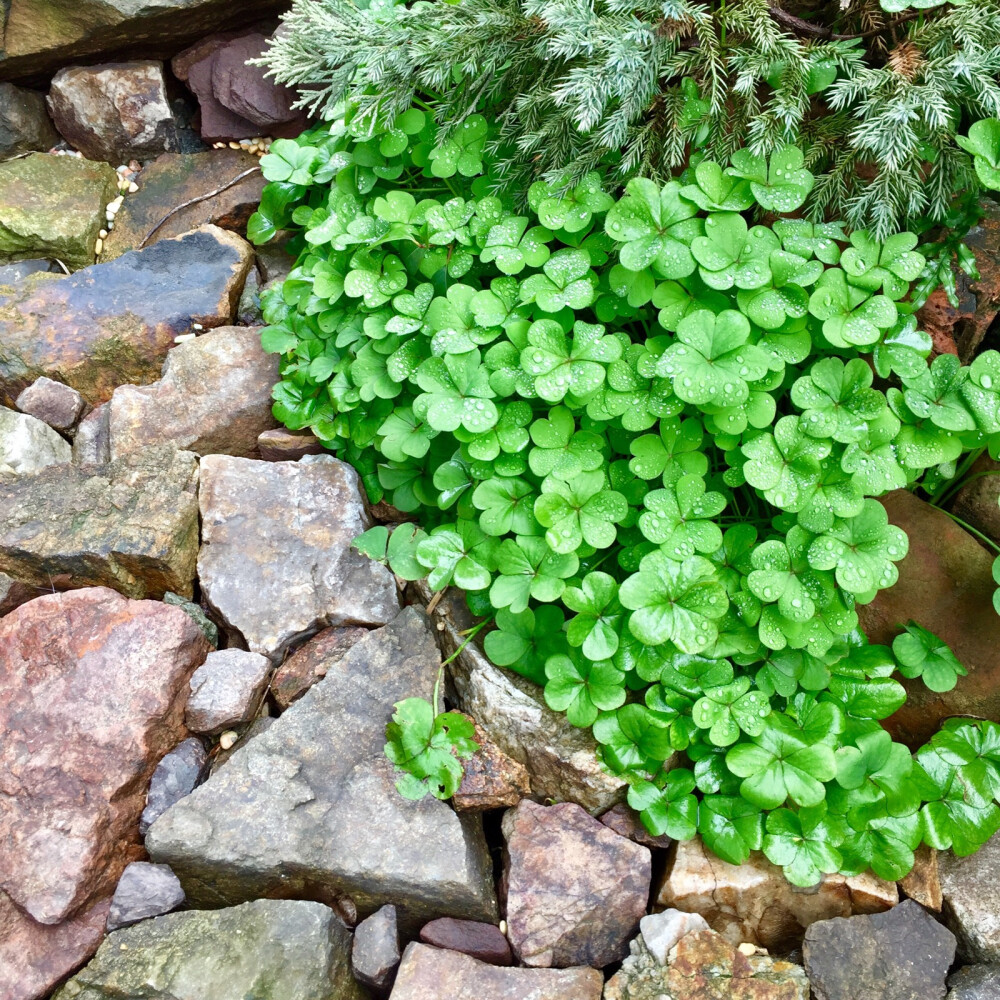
(491, 780)
(375, 954)
(112, 324)
(24, 122)
(144, 891)
(91, 696)
(27, 446)
(34, 957)
(92, 442)
(13, 593)
(176, 775)
(561, 759)
(575, 890)
(424, 970)
(975, 982)
(310, 662)
(115, 111)
(174, 179)
(277, 579)
(945, 584)
(131, 525)
(754, 902)
(924, 883)
(278, 949)
(51, 206)
(661, 931)
(53, 403)
(310, 807)
(282, 445)
(625, 821)
(903, 954)
(970, 888)
(485, 942)
(226, 690)
(214, 398)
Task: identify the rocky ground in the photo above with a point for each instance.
(196, 669)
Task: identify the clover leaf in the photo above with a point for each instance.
(781, 185)
(289, 162)
(512, 248)
(889, 266)
(463, 152)
(838, 400)
(596, 626)
(457, 393)
(560, 449)
(572, 208)
(563, 366)
(529, 568)
(567, 281)
(936, 393)
(581, 687)
(678, 518)
(524, 640)
(885, 844)
(983, 142)
(731, 709)
(785, 464)
(717, 191)
(922, 654)
(730, 254)
(507, 504)
(581, 510)
(852, 316)
(676, 446)
(666, 805)
(730, 827)
(804, 843)
(456, 555)
(633, 739)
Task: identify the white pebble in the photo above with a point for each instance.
(133, 187)
(182, 338)
(99, 247)
(227, 739)
(103, 234)
(197, 326)
(748, 949)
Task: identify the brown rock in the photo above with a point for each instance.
(946, 585)
(754, 902)
(470, 937)
(35, 958)
(173, 179)
(24, 122)
(92, 442)
(131, 525)
(281, 445)
(52, 402)
(425, 970)
(625, 821)
(92, 691)
(923, 883)
(978, 502)
(575, 889)
(492, 780)
(112, 324)
(310, 662)
(13, 593)
(114, 112)
(214, 398)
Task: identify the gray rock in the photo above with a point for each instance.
(310, 807)
(24, 122)
(275, 579)
(375, 954)
(27, 445)
(177, 775)
(11, 273)
(273, 949)
(970, 888)
(144, 891)
(249, 312)
(903, 954)
(661, 931)
(226, 690)
(194, 610)
(55, 404)
(975, 982)
(92, 441)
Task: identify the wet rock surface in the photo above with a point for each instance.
(282, 445)
(144, 891)
(53, 403)
(482, 941)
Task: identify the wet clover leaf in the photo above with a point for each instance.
(582, 688)
(566, 281)
(922, 654)
(731, 709)
(780, 185)
(578, 511)
(573, 208)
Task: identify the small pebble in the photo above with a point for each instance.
(103, 234)
(227, 739)
(747, 949)
(197, 326)
(234, 145)
(99, 247)
(183, 338)
(133, 187)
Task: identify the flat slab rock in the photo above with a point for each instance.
(113, 323)
(278, 949)
(424, 970)
(92, 691)
(131, 525)
(970, 888)
(276, 561)
(310, 806)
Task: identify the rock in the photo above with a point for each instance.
(310, 806)
(276, 579)
(978, 502)
(975, 982)
(903, 954)
(24, 122)
(115, 112)
(274, 260)
(946, 585)
(425, 969)
(625, 821)
(13, 593)
(91, 696)
(575, 890)
(485, 942)
(661, 931)
(176, 775)
(310, 662)
(971, 894)
(27, 445)
(113, 323)
(754, 902)
(249, 312)
(92, 441)
(131, 525)
(491, 780)
(561, 759)
(226, 690)
(923, 883)
(53, 403)
(35, 958)
(273, 949)
(231, 741)
(281, 445)
(214, 398)
(144, 891)
(173, 179)
(11, 273)
(44, 35)
(375, 954)
(194, 610)
(51, 206)
(704, 966)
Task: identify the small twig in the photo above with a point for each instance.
(61, 264)
(802, 27)
(194, 201)
(435, 601)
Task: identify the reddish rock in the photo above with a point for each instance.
(14, 593)
(978, 502)
(924, 883)
(281, 445)
(52, 402)
(492, 779)
(310, 662)
(942, 320)
(470, 937)
(945, 584)
(92, 691)
(34, 958)
(575, 889)
(624, 820)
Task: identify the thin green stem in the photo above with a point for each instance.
(985, 539)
